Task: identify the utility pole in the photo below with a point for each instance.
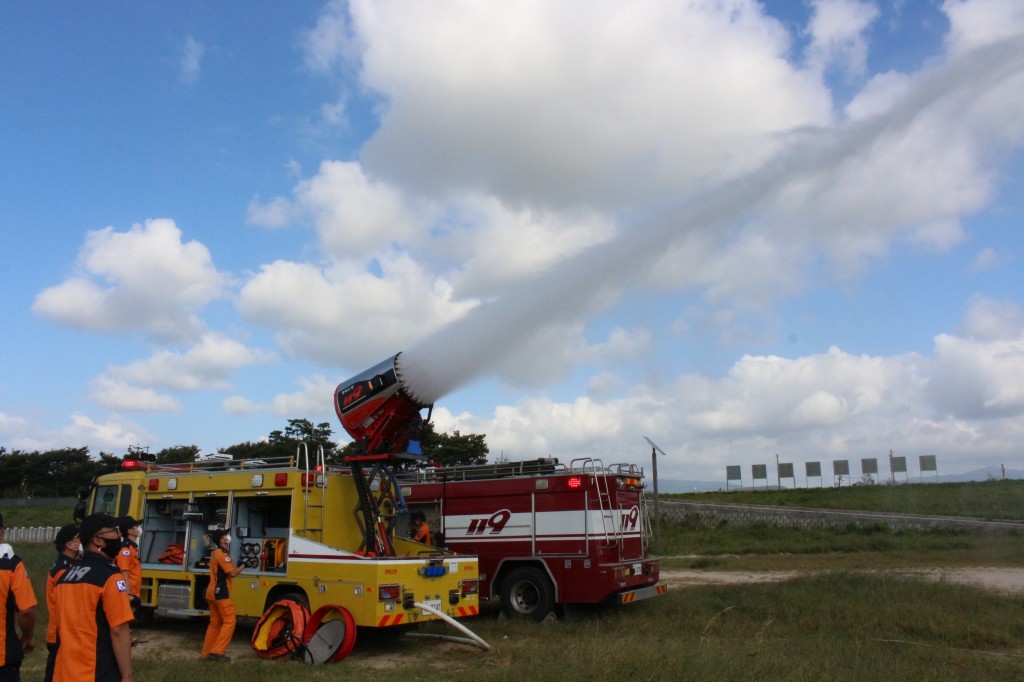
(654, 473)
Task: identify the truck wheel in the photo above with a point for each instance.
(527, 593)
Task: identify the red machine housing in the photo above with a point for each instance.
(545, 534)
(378, 411)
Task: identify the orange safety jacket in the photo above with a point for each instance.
(61, 564)
(422, 533)
(129, 562)
(92, 598)
(220, 578)
(16, 595)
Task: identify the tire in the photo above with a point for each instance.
(299, 597)
(527, 593)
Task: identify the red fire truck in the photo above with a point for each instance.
(546, 534)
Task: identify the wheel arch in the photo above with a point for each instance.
(290, 590)
(508, 565)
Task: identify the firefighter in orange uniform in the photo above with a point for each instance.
(15, 584)
(93, 611)
(218, 596)
(128, 558)
(69, 547)
(421, 530)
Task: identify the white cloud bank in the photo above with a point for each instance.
(144, 280)
(517, 139)
(963, 403)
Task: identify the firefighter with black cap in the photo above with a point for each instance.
(14, 582)
(93, 611)
(69, 549)
(128, 558)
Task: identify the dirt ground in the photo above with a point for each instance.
(1010, 580)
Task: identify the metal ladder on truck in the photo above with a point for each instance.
(611, 526)
(314, 481)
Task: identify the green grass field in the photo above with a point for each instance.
(839, 623)
(994, 500)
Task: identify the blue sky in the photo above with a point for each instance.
(741, 229)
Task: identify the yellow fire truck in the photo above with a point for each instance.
(294, 532)
(324, 537)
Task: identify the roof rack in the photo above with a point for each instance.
(224, 463)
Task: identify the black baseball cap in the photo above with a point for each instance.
(93, 524)
(126, 522)
(65, 535)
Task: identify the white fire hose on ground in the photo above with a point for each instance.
(473, 639)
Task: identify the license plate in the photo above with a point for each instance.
(432, 603)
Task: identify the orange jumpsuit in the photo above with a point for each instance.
(222, 609)
(422, 533)
(15, 585)
(91, 599)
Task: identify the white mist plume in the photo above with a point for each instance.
(475, 344)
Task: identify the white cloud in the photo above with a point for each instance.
(331, 42)
(239, 405)
(529, 106)
(991, 320)
(988, 259)
(344, 315)
(979, 374)
(355, 215)
(979, 379)
(815, 408)
(514, 154)
(277, 213)
(144, 280)
(979, 22)
(191, 57)
(494, 245)
(313, 398)
(837, 39)
(112, 436)
(207, 365)
(114, 394)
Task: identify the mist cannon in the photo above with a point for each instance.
(379, 410)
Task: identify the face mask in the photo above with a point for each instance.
(228, 539)
(139, 528)
(111, 547)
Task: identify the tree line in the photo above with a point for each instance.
(62, 472)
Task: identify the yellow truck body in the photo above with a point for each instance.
(295, 529)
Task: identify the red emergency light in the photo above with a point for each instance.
(575, 482)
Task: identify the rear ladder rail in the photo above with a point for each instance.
(314, 480)
(609, 521)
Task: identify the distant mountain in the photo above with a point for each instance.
(983, 474)
(670, 486)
